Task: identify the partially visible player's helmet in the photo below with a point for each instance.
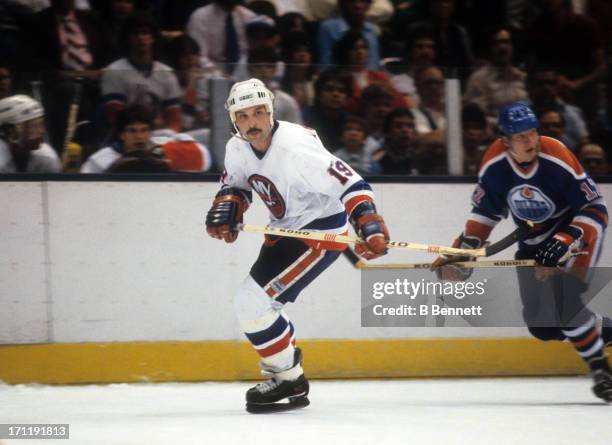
(515, 118)
(249, 93)
(19, 109)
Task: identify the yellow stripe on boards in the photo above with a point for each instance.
(62, 363)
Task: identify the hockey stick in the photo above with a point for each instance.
(73, 111)
(358, 263)
(468, 264)
(71, 159)
(489, 250)
(353, 258)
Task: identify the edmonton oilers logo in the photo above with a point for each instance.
(530, 203)
(269, 194)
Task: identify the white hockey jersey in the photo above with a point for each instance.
(42, 160)
(302, 184)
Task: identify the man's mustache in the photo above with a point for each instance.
(253, 131)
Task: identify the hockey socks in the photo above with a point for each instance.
(586, 339)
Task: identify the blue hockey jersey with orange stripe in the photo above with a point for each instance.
(553, 192)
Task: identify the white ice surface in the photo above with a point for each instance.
(442, 411)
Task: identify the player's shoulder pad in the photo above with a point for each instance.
(233, 142)
(494, 154)
(298, 140)
(293, 131)
(555, 151)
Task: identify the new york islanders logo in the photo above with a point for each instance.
(530, 203)
(268, 193)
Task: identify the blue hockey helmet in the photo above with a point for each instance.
(515, 118)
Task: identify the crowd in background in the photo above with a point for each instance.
(368, 75)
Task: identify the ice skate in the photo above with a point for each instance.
(289, 384)
(602, 378)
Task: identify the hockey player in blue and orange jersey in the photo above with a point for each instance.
(304, 187)
(538, 179)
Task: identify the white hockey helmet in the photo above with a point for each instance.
(249, 93)
(19, 109)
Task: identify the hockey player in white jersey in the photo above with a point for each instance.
(304, 187)
(22, 131)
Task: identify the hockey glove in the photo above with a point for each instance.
(227, 210)
(372, 230)
(558, 249)
(443, 265)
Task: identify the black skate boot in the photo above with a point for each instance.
(289, 384)
(602, 376)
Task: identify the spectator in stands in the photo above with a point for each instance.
(552, 125)
(298, 56)
(220, 30)
(132, 138)
(521, 13)
(353, 17)
(292, 22)
(114, 13)
(22, 129)
(475, 137)
(65, 44)
(262, 65)
(499, 82)
(378, 12)
(398, 154)
(602, 126)
(479, 17)
(453, 45)
(351, 51)
(406, 12)
(67, 40)
(421, 53)
(13, 36)
(173, 15)
(332, 89)
(129, 80)
(543, 87)
(184, 57)
(376, 104)
(357, 147)
(261, 32)
(601, 12)
(430, 115)
(6, 80)
(572, 44)
(594, 160)
(263, 7)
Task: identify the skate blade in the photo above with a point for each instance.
(268, 408)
